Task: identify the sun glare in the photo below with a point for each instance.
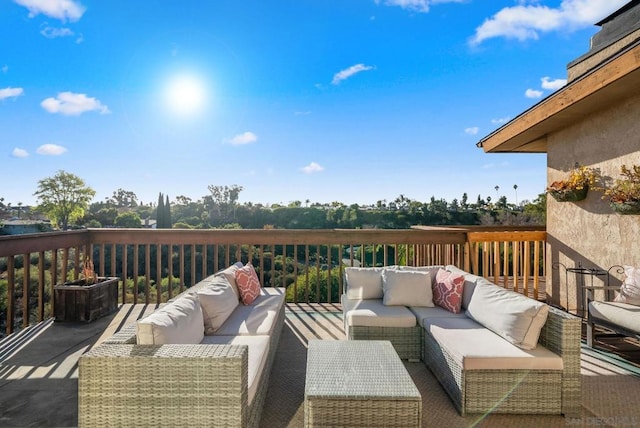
(185, 95)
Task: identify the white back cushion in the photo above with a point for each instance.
(511, 315)
(178, 322)
(407, 288)
(230, 274)
(218, 301)
(363, 283)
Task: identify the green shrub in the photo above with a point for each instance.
(318, 287)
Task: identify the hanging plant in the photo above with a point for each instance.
(624, 194)
(575, 187)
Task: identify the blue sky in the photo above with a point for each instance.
(326, 100)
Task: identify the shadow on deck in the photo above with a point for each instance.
(38, 376)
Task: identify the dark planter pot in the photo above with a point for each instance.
(75, 302)
(571, 195)
(632, 207)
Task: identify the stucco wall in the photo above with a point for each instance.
(588, 232)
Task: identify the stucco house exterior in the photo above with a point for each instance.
(593, 121)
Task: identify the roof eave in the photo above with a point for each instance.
(615, 79)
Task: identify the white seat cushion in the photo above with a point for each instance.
(478, 348)
(372, 313)
(179, 322)
(258, 352)
(424, 313)
(249, 320)
(405, 288)
(625, 315)
(511, 315)
(269, 296)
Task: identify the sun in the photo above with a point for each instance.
(185, 95)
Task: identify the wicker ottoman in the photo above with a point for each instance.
(359, 383)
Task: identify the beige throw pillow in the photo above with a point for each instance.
(363, 283)
(179, 322)
(230, 274)
(407, 288)
(218, 301)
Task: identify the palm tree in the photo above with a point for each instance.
(515, 188)
(497, 194)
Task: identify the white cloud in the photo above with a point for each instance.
(421, 6)
(5, 68)
(532, 93)
(348, 72)
(244, 138)
(50, 150)
(524, 21)
(19, 153)
(59, 9)
(71, 104)
(313, 167)
(552, 85)
(52, 33)
(10, 93)
(500, 120)
(472, 130)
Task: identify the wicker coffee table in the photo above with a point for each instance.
(358, 383)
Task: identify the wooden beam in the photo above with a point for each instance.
(614, 81)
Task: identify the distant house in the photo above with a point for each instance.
(149, 224)
(19, 227)
(594, 121)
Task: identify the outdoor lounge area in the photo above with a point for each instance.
(39, 376)
(39, 372)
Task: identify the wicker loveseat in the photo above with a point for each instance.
(219, 381)
(479, 366)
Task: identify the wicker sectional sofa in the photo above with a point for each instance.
(502, 353)
(184, 378)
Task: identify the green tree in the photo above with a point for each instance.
(160, 213)
(128, 219)
(124, 199)
(537, 209)
(223, 200)
(63, 198)
(167, 213)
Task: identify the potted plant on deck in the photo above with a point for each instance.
(575, 187)
(87, 298)
(624, 194)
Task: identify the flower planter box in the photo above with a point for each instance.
(569, 195)
(626, 207)
(74, 302)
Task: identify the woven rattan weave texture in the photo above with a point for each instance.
(359, 383)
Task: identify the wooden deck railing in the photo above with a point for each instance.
(155, 265)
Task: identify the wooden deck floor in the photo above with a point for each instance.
(38, 376)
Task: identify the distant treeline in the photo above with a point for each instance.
(225, 212)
